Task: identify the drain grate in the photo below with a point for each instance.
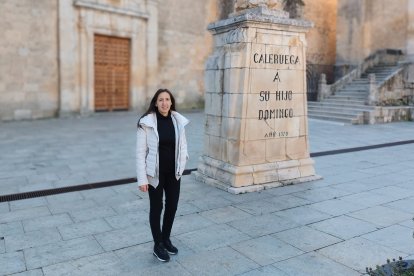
(13, 197)
(55, 191)
(385, 145)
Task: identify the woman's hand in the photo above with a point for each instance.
(143, 188)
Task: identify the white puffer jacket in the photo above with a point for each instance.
(147, 148)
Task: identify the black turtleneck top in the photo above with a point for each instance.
(166, 134)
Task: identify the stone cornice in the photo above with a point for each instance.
(110, 9)
(260, 15)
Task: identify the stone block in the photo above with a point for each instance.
(272, 37)
(22, 114)
(253, 152)
(213, 125)
(217, 147)
(232, 129)
(213, 81)
(307, 170)
(215, 61)
(257, 129)
(241, 180)
(297, 147)
(234, 105)
(213, 104)
(289, 173)
(271, 175)
(237, 55)
(253, 105)
(236, 80)
(233, 152)
(275, 149)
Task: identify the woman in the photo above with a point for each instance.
(161, 158)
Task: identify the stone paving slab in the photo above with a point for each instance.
(257, 226)
(314, 264)
(306, 238)
(303, 215)
(54, 253)
(2, 246)
(381, 216)
(34, 272)
(12, 262)
(359, 253)
(405, 205)
(221, 261)
(396, 237)
(92, 213)
(225, 214)
(31, 239)
(344, 227)
(24, 214)
(189, 223)
(11, 228)
(46, 222)
(212, 237)
(83, 229)
(102, 264)
(127, 220)
(268, 270)
(336, 207)
(27, 203)
(266, 250)
(210, 223)
(125, 237)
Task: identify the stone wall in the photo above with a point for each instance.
(28, 59)
(184, 45)
(364, 26)
(322, 38)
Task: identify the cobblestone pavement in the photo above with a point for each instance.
(358, 215)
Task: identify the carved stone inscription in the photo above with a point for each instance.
(276, 94)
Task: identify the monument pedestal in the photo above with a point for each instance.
(256, 133)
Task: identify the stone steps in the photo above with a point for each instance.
(348, 103)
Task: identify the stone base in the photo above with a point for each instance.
(251, 178)
(252, 188)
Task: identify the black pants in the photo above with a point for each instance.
(171, 186)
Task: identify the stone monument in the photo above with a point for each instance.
(256, 131)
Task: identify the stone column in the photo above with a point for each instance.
(322, 88)
(373, 90)
(256, 132)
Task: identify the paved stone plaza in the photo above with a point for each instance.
(358, 215)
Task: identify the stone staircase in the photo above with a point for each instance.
(347, 105)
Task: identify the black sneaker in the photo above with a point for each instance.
(171, 249)
(160, 252)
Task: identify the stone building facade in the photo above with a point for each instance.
(65, 57)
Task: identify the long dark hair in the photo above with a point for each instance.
(152, 108)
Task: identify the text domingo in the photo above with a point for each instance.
(278, 113)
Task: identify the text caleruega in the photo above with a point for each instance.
(275, 59)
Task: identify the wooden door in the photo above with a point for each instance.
(112, 62)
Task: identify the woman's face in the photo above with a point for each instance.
(163, 103)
